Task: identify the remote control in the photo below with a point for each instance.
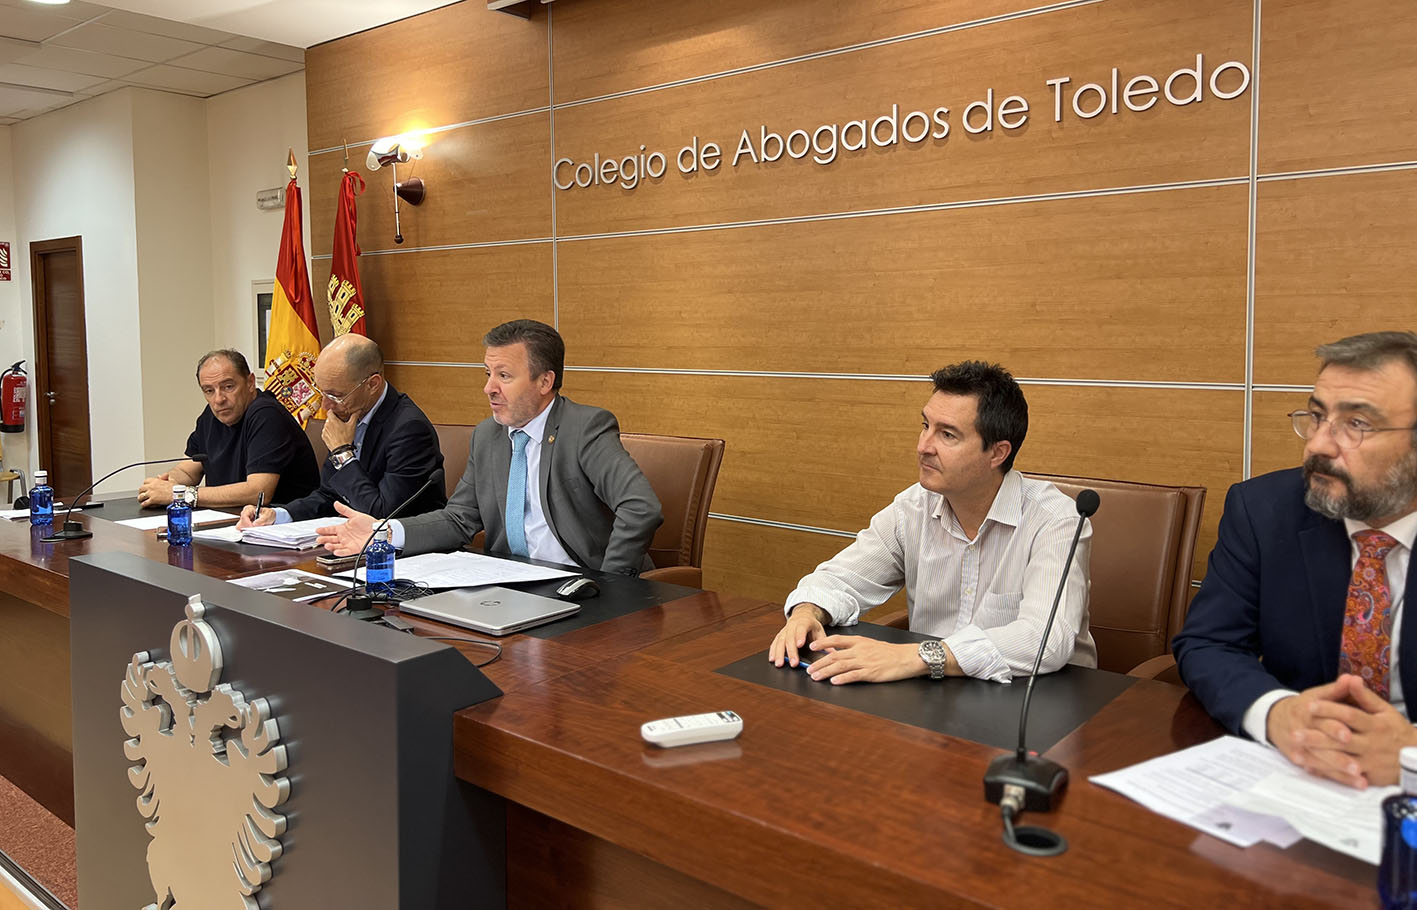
(692, 728)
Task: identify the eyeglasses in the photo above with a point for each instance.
(1348, 432)
(340, 399)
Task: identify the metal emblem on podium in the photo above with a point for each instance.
(208, 766)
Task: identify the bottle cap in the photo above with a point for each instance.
(177, 489)
(1407, 761)
(41, 476)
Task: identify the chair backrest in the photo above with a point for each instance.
(453, 440)
(1143, 545)
(682, 470)
(313, 428)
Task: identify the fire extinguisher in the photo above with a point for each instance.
(14, 395)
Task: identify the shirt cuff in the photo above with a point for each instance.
(282, 516)
(977, 655)
(1256, 719)
(398, 537)
(839, 608)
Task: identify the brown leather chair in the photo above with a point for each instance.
(682, 470)
(1143, 544)
(453, 440)
(313, 428)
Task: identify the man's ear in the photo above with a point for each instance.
(998, 452)
(545, 382)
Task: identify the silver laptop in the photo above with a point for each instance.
(496, 611)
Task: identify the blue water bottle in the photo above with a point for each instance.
(1397, 876)
(179, 518)
(379, 563)
(41, 500)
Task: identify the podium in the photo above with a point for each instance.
(177, 782)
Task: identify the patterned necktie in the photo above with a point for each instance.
(1367, 622)
(516, 495)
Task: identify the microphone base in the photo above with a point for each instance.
(72, 530)
(1041, 780)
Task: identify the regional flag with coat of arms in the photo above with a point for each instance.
(293, 342)
(345, 295)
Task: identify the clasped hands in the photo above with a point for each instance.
(842, 659)
(1342, 731)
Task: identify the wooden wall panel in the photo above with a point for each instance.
(485, 183)
(1120, 287)
(610, 46)
(1340, 84)
(1334, 257)
(1274, 444)
(1167, 143)
(436, 306)
(461, 62)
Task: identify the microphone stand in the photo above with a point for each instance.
(363, 607)
(72, 530)
(1024, 781)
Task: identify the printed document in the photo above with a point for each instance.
(466, 570)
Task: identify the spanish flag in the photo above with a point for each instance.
(345, 296)
(294, 339)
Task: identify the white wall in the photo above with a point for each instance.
(248, 134)
(162, 189)
(173, 221)
(73, 176)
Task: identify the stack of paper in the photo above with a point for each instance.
(293, 535)
(466, 570)
(1244, 792)
(199, 517)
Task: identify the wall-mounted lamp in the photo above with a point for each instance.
(392, 152)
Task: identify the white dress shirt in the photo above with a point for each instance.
(1404, 531)
(986, 598)
(360, 430)
(541, 543)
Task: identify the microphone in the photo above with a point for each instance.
(1022, 781)
(72, 530)
(363, 607)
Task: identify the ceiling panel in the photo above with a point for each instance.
(124, 42)
(39, 77)
(154, 26)
(236, 63)
(188, 82)
(266, 48)
(76, 61)
(15, 100)
(35, 23)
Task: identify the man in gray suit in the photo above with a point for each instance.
(545, 478)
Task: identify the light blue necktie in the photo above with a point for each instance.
(516, 495)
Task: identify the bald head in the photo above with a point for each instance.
(350, 369)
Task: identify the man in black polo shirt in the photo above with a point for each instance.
(252, 443)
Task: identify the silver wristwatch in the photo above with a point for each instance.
(933, 654)
(342, 457)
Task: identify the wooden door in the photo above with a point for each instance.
(61, 367)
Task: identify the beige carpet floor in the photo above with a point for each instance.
(39, 842)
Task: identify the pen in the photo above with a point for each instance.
(260, 501)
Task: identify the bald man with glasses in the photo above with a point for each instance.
(382, 446)
(1296, 636)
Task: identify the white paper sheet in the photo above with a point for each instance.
(154, 522)
(1244, 792)
(293, 535)
(294, 584)
(466, 570)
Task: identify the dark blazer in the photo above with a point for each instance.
(398, 455)
(1274, 591)
(597, 503)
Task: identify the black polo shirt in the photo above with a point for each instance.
(266, 440)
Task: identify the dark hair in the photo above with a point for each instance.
(236, 358)
(1371, 351)
(1002, 410)
(544, 348)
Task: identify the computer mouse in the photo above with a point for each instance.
(578, 589)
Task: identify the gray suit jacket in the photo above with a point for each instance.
(597, 502)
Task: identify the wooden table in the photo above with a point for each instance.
(812, 803)
(815, 803)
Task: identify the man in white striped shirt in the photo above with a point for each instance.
(979, 548)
